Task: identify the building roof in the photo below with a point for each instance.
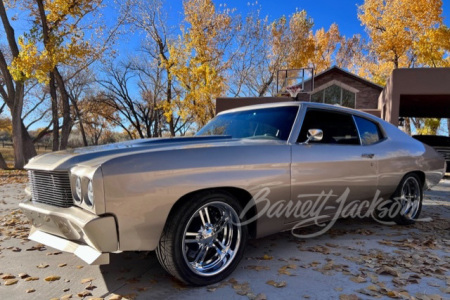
(348, 74)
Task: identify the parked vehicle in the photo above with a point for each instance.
(192, 199)
(440, 143)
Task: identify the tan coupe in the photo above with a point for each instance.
(185, 197)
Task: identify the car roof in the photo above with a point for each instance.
(305, 104)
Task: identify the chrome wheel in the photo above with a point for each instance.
(211, 238)
(410, 198)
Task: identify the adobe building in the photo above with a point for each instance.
(420, 92)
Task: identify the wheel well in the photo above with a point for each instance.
(421, 176)
(241, 195)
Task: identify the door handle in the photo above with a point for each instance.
(368, 155)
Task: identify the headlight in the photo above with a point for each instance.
(90, 194)
(78, 189)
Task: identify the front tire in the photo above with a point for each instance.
(203, 241)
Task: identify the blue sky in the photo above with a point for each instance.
(323, 12)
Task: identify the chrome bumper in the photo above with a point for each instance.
(73, 230)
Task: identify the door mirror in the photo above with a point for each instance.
(314, 135)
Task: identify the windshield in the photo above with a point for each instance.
(262, 123)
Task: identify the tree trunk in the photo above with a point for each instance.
(29, 150)
(55, 115)
(80, 120)
(408, 126)
(19, 158)
(3, 165)
(67, 120)
(55, 75)
(266, 86)
(169, 99)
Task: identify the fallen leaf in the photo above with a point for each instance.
(257, 268)
(30, 291)
(348, 297)
(86, 280)
(434, 284)
(392, 294)
(11, 281)
(115, 297)
(42, 266)
(358, 279)
(280, 284)
(52, 278)
(241, 288)
(8, 276)
(92, 287)
(385, 270)
(23, 275)
(62, 265)
(372, 288)
(65, 297)
(31, 278)
(267, 257)
(260, 297)
(84, 294)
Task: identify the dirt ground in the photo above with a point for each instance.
(356, 259)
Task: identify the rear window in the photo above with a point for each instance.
(368, 131)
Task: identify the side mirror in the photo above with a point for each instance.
(314, 135)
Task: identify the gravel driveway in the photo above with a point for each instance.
(356, 259)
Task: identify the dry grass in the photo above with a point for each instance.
(8, 155)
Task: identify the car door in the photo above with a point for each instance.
(337, 167)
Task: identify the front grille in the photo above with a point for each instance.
(52, 188)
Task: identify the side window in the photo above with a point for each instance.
(338, 128)
(368, 131)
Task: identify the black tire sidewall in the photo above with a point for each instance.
(399, 218)
(183, 216)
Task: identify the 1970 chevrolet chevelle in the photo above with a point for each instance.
(197, 200)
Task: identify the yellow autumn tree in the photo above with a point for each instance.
(64, 39)
(403, 34)
(325, 44)
(56, 38)
(197, 58)
(308, 48)
(300, 40)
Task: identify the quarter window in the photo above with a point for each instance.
(335, 94)
(338, 128)
(368, 131)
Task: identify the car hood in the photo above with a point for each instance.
(96, 155)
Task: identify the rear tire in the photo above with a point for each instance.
(203, 241)
(408, 200)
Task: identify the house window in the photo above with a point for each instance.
(334, 94)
